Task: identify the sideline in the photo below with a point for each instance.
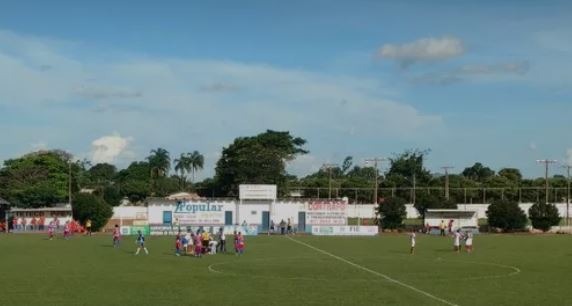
(392, 280)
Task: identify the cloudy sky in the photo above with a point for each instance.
(110, 80)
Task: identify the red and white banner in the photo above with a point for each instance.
(327, 213)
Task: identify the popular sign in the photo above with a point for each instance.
(327, 213)
(198, 213)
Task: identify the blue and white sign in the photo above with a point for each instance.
(198, 213)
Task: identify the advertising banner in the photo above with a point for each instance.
(198, 213)
(327, 213)
(345, 230)
(132, 230)
(249, 230)
(257, 192)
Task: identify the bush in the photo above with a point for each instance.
(88, 206)
(506, 215)
(392, 212)
(543, 216)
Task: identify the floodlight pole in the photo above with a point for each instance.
(546, 163)
(446, 168)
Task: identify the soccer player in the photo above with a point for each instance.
(51, 229)
(235, 238)
(457, 241)
(141, 243)
(198, 246)
(442, 228)
(412, 237)
(240, 244)
(469, 242)
(222, 240)
(67, 230)
(205, 241)
(186, 241)
(116, 236)
(178, 246)
(88, 227)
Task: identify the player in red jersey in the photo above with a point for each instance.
(116, 236)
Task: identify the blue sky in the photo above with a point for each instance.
(110, 80)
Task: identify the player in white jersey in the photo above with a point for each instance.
(412, 237)
(457, 240)
(469, 242)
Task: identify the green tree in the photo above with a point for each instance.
(506, 215)
(196, 163)
(408, 164)
(112, 195)
(432, 200)
(511, 174)
(347, 164)
(160, 163)
(38, 179)
(134, 181)
(88, 206)
(258, 159)
(478, 172)
(392, 212)
(102, 174)
(182, 166)
(543, 216)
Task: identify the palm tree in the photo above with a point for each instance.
(196, 162)
(159, 162)
(183, 166)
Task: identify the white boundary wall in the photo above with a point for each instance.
(251, 212)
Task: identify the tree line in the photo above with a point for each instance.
(41, 179)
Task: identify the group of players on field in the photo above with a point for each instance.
(458, 237)
(192, 244)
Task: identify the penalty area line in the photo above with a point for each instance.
(389, 279)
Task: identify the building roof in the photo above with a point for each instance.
(65, 207)
(183, 196)
(4, 202)
(451, 211)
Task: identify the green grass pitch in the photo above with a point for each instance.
(503, 270)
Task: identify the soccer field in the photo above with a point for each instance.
(503, 270)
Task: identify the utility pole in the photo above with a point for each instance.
(374, 162)
(414, 186)
(70, 182)
(546, 163)
(446, 168)
(329, 167)
(568, 167)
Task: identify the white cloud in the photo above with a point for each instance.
(107, 149)
(425, 49)
(176, 103)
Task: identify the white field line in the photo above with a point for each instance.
(392, 280)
